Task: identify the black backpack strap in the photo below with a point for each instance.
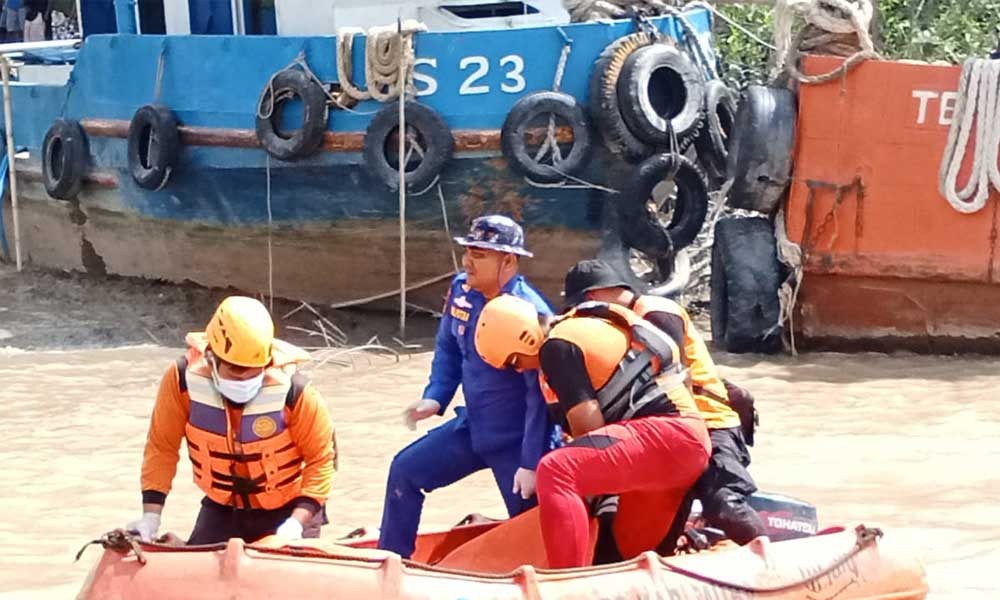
(299, 383)
(182, 365)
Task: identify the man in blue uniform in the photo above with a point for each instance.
(503, 425)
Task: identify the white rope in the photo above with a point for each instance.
(160, 66)
(790, 254)
(695, 44)
(582, 184)
(404, 60)
(447, 228)
(385, 295)
(385, 48)
(345, 66)
(824, 15)
(561, 67)
(270, 222)
(8, 115)
(733, 23)
(551, 141)
(275, 97)
(978, 103)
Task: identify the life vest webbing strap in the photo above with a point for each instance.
(629, 370)
(657, 342)
(235, 457)
(285, 448)
(237, 480)
(292, 463)
(289, 479)
(704, 391)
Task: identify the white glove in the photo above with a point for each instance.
(291, 529)
(146, 527)
(524, 482)
(418, 411)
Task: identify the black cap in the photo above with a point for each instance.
(592, 274)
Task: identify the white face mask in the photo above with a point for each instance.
(237, 391)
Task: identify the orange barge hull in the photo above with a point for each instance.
(888, 263)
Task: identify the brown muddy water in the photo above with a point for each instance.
(903, 442)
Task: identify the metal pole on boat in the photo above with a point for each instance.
(8, 126)
(401, 85)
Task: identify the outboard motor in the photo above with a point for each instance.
(784, 517)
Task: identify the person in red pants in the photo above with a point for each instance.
(614, 382)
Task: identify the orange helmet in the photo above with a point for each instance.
(241, 332)
(507, 325)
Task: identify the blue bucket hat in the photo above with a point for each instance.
(496, 232)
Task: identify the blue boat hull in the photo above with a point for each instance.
(334, 228)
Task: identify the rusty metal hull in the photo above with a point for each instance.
(325, 258)
(888, 263)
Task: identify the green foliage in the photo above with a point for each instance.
(930, 30)
(744, 60)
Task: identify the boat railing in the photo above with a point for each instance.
(6, 51)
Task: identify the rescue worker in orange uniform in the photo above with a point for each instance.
(726, 486)
(611, 379)
(259, 436)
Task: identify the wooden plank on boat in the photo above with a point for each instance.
(466, 140)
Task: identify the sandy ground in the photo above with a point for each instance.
(904, 442)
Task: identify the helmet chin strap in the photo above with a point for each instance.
(499, 271)
(499, 268)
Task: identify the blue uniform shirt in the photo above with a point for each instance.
(503, 407)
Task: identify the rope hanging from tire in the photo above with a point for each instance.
(383, 49)
(642, 226)
(978, 102)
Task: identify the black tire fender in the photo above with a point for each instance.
(760, 155)
(746, 276)
(153, 145)
(660, 87)
(430, 130)
(305, 140)
(64, 159)
(524, 112)
(603, 99)
(641, 228)
(717, 133)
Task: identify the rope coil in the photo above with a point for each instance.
(978, 103)
(385, 48)
(837, 18)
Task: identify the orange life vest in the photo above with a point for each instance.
(243, 455)
(631, 363)
(710, 394)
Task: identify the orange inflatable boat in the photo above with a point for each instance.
(503, 560)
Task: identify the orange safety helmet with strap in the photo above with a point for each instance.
(243, 455)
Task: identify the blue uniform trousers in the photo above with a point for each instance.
(440, 458)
